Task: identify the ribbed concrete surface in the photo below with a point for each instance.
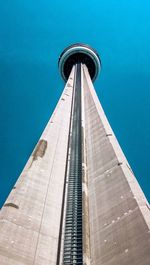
(30, 218)
(119, 214)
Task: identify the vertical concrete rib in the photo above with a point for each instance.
(119, 215)
(30, 218)
(85, 194)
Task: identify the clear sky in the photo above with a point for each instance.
(33, 34)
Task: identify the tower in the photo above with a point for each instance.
(77, 200)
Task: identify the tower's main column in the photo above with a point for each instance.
(77, 200)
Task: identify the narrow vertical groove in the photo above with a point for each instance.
(73, 222)
(64, 188)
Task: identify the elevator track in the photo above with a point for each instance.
(73, 221)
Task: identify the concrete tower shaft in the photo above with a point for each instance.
(77, 200)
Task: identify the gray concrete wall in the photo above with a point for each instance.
(30, 218)
(119, 213)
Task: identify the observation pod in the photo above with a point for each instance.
(79, 53)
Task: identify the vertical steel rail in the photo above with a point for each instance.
(73, 221)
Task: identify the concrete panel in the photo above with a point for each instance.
(119, 215)
(30, 218)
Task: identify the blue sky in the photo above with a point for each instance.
(33, 34)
